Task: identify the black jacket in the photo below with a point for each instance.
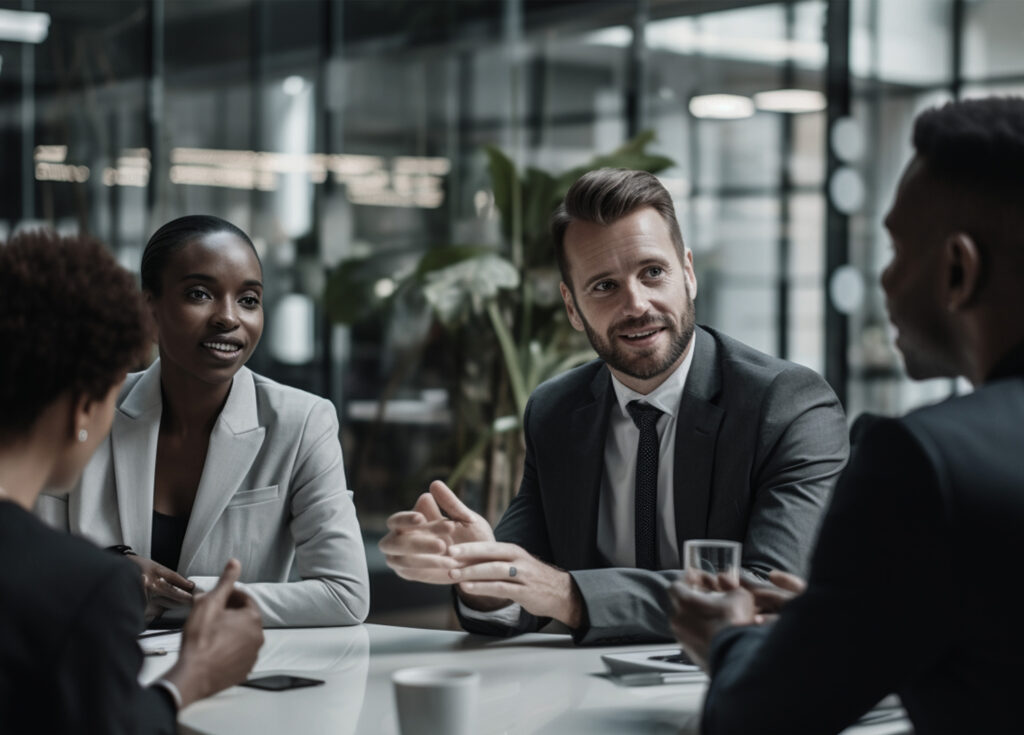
(912, 589)
(69, 614)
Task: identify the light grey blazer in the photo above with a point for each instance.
(272, 495)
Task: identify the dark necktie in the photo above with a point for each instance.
(646, 417)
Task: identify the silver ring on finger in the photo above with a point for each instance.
(512, 571)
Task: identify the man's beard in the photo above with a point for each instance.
(644, 366)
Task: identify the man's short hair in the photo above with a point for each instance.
(975, 150)
(605, 196)
(979, 142)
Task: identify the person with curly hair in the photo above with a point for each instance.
(71, 325)
(208, 460)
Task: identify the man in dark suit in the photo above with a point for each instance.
(909, 589)
(677, 432)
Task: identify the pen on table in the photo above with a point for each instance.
(156, 652)
(653, 678)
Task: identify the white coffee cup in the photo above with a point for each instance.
(432, 700)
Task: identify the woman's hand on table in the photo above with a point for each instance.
(165, 589)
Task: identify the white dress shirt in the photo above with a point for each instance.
(616, 514)
(616, 528)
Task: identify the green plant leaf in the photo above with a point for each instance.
(637, 144)
(631, 154)
(349, 294)
(511, 357)
(465, 286)
(637, 161)
(539, 199)
(447, 255)
(504, 183)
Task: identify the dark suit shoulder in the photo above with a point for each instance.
(570, 389)
(46, 556)
(62, 596)
(740, 361)
(984, 409)
(750, 383)
(974, 440)
(55, 574)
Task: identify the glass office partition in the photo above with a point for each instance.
(901, 62)
(341, 130)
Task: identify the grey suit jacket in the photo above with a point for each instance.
(272, 495)
(759, 444)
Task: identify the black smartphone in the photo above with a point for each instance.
(280, 682)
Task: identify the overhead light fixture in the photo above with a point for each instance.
(23, 26)
(293, 85)
(790, 100)
(721, 106)
(615, 36)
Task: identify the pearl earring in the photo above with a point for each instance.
(82, 435)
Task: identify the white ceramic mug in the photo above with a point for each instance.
(436, 700)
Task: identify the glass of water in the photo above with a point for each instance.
(705, 559)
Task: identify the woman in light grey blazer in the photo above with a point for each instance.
(207, 461)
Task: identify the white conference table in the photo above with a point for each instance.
(537, 683)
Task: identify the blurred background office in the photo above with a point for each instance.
(394, 161)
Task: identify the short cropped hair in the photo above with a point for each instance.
(175, 235)
(71, 319)
(606, 195)
(978, 141)
(974, 149)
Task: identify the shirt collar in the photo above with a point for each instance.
(665, 397)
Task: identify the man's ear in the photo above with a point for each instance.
(570, 307)
(964, 271)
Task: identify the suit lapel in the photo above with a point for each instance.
(234, 443)
(585, 463)
(133, 439)
(696, 439)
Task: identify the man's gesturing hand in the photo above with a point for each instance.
(508, 573)
(416, 545)
(221, 640)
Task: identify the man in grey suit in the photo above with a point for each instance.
(677, 432)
